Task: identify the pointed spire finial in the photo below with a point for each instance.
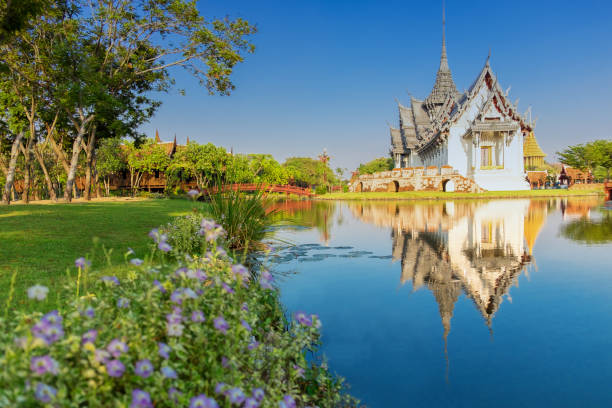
(157, 139)
(443, 59)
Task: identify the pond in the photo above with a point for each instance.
(458, 303)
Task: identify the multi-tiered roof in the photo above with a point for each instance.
(427, 122)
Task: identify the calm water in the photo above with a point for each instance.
(458, 304)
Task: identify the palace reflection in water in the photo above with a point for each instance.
(454, 247)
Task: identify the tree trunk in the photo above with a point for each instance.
(10, 176)
(76, 150)
(43, 166)
(96, 175)
(89, 152)
(27, 168)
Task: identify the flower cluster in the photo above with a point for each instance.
(194, 334)
(160, 239)
(211, 230)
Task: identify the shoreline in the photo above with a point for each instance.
(439, 195)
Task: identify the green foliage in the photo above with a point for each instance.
(202, 327)
(308, 171)
(321, 189)
(110, 160)
(594, 156)
(205, 163)
(146, 158)
(245, 217)
(183, 235)
(376, 165)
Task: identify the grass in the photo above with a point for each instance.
(440, 195)
(40, 242)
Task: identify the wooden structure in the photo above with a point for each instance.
(269, 188)
(608, 190)
(570, 176)
(537, 179)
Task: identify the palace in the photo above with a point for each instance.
(478, 133)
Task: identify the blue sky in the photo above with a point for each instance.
(326, 74)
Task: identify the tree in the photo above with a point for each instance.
(206, 163)
(147, 158)
(111, 160)
(592, 156)
(376, 165)
(308, 171)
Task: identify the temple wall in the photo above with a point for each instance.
(429, 178)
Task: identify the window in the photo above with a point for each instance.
(486, 157)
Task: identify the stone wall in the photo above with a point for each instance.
(415, 179)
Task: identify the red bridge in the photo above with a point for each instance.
(608, 190)
(270, 188)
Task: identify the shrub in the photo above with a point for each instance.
(200, 332)
(183, 235)
(246, 218)
(345, 188)
(321, 189)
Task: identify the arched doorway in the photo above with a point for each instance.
(393, 186)
(359, 187)
(448, 186)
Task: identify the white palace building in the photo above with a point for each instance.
(478, 133)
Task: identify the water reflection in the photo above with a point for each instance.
(479, 249)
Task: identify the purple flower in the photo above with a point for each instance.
(164, 350)
(208, 224)
(130, 251)
(175, 316)
(168, 372)
(265, 280)
(43, 365)
(38, 292)
(219, 388)
(143, 368)
(164, 246)
(241, 271)
(227, 287)
(201, 275)
(116, 347)
(193, 193)
(221, 325)
(258, 393)
(136, 261)
(89, 336)
(53, 317)
(115, 368)
(123, 303)
(181, 294)
(236, 396)
(141, 399)
(173, 394)
(49, 333)
(89, 312)
(102, 356)
(303, 319)
(253, 345)
(225, 362)
(245, 325)
(82, 263)
(197, 316)
(174, 329)
(159, 286)
(110, 279)
(251, 403)
(299, 370)
(316, 322)
(287, 402)
(44, 393)
(245, 307)
(202, 401)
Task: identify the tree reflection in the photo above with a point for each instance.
(590, 231)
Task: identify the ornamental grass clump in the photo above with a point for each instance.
(196, 333)
(246, 218)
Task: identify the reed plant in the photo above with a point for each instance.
(246, 218)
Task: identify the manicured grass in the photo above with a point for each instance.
(41, 242)
(439, 195)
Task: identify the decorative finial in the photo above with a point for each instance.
(157, 139)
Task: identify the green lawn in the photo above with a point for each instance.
(40, 242)
(439, 195)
